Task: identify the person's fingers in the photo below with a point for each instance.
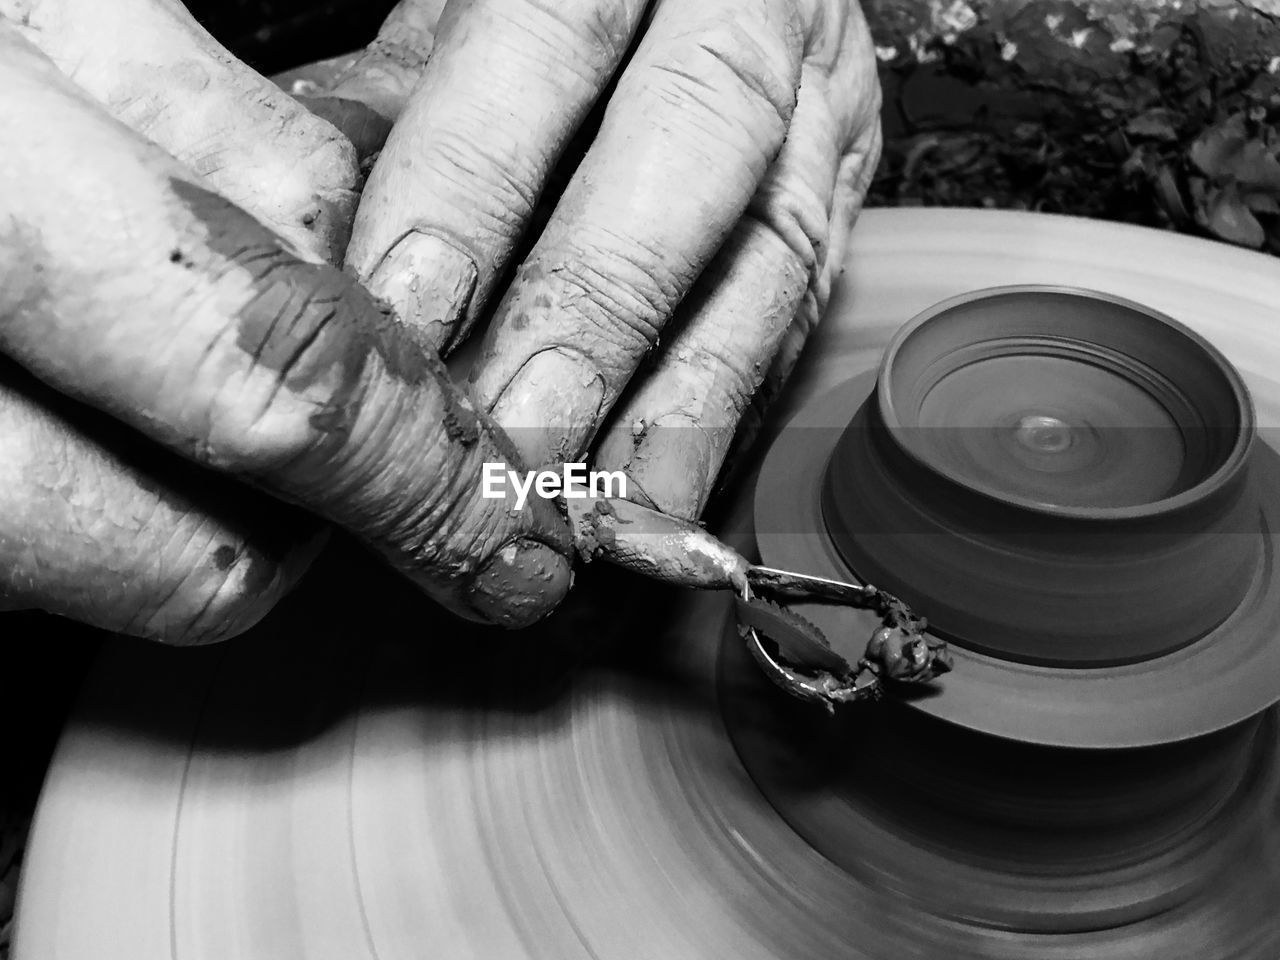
(508, 83)
(698, 116)
(751, 311)
(670, 434)
(99, 524)
(853, 181)
(166, 306)
(365, 94)
(153, 67)
(852, 184)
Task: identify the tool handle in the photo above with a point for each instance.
(654, 544)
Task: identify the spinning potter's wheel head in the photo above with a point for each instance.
(1070, 487)
(361, 778)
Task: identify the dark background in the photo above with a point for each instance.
(274, 35)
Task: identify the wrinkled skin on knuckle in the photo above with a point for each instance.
(613, 306)
(597, 31)
(475, 151)
(375, 480)
(760, 58)
(795, 197)
(730, 81)
(453, 532)
(620, 306)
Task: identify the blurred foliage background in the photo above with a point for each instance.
(1156, 112)
(1164, 113)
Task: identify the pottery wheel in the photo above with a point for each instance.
(363, 778)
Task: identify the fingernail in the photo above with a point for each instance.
(551, 407)
(674, 463)
(520, 584)
(429, 284)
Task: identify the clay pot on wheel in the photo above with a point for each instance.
(1069, 486)
(1054, 476)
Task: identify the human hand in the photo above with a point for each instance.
(709, 212)
(140, 310)
(155, 69)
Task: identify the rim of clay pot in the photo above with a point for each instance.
(1227, 469)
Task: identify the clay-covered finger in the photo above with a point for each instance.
(508, 83)
(750, 312)
(175, 311)
(99, 524)
(153, 67)
(697, 118)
